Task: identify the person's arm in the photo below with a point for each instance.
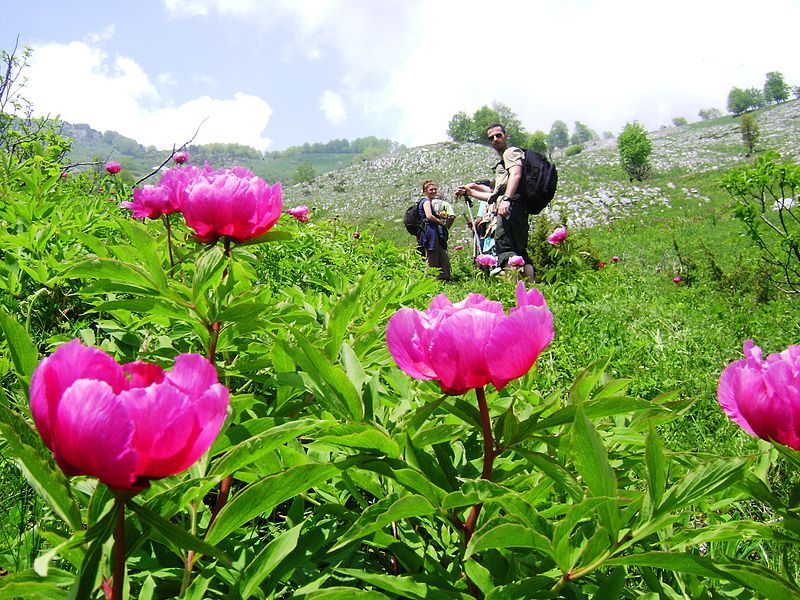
(426, 207)
(514, 177)
(476, 190)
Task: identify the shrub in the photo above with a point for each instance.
(573, 150)
(748, 127)
(634, 151)
(766, 203)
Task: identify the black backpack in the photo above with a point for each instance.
(411, 219)
(539, 181)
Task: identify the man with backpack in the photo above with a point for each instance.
(511, 234)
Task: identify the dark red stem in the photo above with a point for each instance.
(488, 459)
(119, 550)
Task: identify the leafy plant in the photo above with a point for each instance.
(635, 148)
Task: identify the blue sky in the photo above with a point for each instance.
(277, 73)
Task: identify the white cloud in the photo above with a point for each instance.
(167, 79)
(115, 93)
(101, 36)
(332, 106)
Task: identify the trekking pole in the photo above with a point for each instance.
(476, 238)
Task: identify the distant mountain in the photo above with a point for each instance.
(287, 166)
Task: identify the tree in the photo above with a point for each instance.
(536, 141)
(461, 127)
(748, 127)
(558, 136)
(635, 148)
(679, 121)
(775, 88)
(582, 134)
(517, 136)
(706, 114)
(740, 100)
(303, 172)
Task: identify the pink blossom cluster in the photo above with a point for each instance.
(486, 260)
(763, 396)
(516, 261)
(233, 203)
(299, 212)
(557, 236)
(112, 168)
(474, 342)
(125, 424)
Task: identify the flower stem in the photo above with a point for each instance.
(168, 227)
(119, 549)
(488, 459)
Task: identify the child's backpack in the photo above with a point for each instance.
(411, 219)
(539, 181)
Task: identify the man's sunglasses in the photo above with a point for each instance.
(496, 136)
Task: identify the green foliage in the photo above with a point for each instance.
(303, 172)
(582, 133)
(707, 114)
(679, 121)
(742, 100)
(766, 196)
(558, 136)
(465, 128)
(775, 88)
(573, 150)
(536, 141)
(748, 127)
(635, 148)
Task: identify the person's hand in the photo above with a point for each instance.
(503, 208)
(461, 191)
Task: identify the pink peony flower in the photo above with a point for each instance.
(486, 260)
(615, 259)
(180, 157)
(557, 236)
(516, 261)
(472, 343)
(459, 247)
(601, 265)
(299, 212)
(150, 202)
(763, 396)
(356, 235)
(232, 203)
(676, 280)
(125, 430)
(113, 167)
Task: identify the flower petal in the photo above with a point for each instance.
(94, 434)
(458, 349)
(408, 338)
(516, 342)
(70, 362)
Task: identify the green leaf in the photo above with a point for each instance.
(411, 479)
(382, 513)
(37, 467)
(564, 555)
(333, 387)
(342, 314)
(732, 530)
(656, 463)
(99, 531)
(587, 381)
(115, 271)
(147, 249)
(175, 536)
(750, 575)
(27, 584)
(208, 271)
(256, 446)
(507, 535)
(361, 436)
(475, 492)
(89, 573)
(596, 409)
(404, 586)
(23, 352)
(261, 497)
(273, 235)
(702, 481)
(591, 462)
(344, 593)
(266, 561)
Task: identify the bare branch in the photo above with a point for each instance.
(169, 158)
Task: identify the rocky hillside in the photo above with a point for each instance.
(593, 188)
